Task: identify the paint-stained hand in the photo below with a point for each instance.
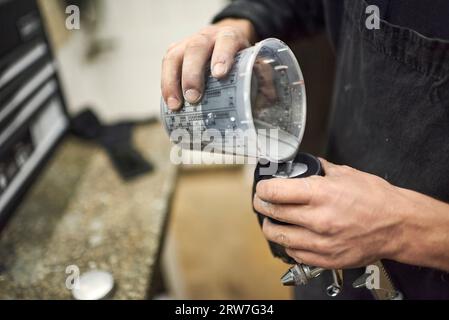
(345, 219)
(184, 63)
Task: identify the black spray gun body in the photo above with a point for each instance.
(302, 166)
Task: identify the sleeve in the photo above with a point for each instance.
(284, 19)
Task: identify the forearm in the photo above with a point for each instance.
(285, 19)
(423, 237)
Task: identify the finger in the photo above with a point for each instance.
(293, 214)
(197, 53)
(292, 191)
(171, 77)
(313, 259)
(227, 44)
(329, 168)
(294, 237)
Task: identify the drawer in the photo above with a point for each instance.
(21, 60)
(19, 23)
(13, 97)
(29, 148)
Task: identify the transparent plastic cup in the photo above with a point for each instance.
(258, 110)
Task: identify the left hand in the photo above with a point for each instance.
(346, 219)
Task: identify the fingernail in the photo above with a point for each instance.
(173, 103)
(192, 95)
(219, 69)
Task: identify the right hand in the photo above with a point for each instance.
(184, 63)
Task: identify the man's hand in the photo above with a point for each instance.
(184, 63)
(351, 218)
(345, 219)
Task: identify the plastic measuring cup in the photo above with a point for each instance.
(259, 109)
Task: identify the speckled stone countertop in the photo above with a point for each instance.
(80, 212)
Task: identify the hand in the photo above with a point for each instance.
(184, 63)
(345, 219)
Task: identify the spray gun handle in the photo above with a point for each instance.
(313, 167)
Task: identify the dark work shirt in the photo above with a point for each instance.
(390, 113)
(290, 19)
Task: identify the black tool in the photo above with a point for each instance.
(304, 165)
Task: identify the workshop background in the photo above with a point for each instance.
(207, 242)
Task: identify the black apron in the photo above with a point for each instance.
(391, 119)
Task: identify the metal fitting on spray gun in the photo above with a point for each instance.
(301, 274)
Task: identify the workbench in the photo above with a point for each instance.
(79, 212)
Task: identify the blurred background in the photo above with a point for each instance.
(162, 231)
